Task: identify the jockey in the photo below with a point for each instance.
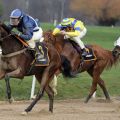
(73, 29)
(28, 28)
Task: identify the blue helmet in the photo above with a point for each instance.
(15, 17)
(17, 13)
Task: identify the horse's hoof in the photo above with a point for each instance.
(108, 100)
(86, 101)
(11, 100)
(24, 113)
(51, 110)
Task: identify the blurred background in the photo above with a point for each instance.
(92, 12)
(102, 19)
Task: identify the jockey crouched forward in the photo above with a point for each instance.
(28, 28)
(73, 29)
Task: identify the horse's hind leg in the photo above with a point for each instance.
(102, 85)
(50, 93)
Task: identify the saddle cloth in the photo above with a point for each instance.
(44, 53)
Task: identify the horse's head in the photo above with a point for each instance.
(8, 42)
(4, 31)
(53, 39)
(116, 50)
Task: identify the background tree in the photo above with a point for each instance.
(106, 12)
(1, 9)
(103, 12)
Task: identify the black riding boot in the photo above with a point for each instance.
(84, 52)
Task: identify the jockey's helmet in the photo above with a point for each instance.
(15, 17)
(66, 22)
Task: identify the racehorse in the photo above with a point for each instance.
(71, 64)
(16, 63)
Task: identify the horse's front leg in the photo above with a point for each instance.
(50, 93)
(8, 88)
(2, 73)
(16, 74)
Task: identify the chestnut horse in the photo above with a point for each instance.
(72, 61)
(16, 63)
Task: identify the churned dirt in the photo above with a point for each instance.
(97, 109)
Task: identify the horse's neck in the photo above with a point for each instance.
(10, 45)
(59, 44)
(5, 28)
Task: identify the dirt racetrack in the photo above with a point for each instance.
(96, 109)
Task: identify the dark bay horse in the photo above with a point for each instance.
(16, 62)
(71, 63)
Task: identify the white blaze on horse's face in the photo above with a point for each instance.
(117, 42)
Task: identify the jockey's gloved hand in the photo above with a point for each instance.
(63, 32)
(12, 33)
(15, 33)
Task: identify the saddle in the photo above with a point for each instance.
(89, 57)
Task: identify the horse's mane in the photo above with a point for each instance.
(5, 27)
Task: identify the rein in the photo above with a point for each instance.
(5, 37)
(14, 53)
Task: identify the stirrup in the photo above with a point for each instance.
(87, 50)
(84, 54)
(40, 56)
(40, 59)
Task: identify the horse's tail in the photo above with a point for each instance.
(111, 60)
(66, 67)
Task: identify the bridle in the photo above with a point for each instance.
(1, 39)
(14, 53)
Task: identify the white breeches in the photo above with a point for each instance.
(78, 38)
(36, 36)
